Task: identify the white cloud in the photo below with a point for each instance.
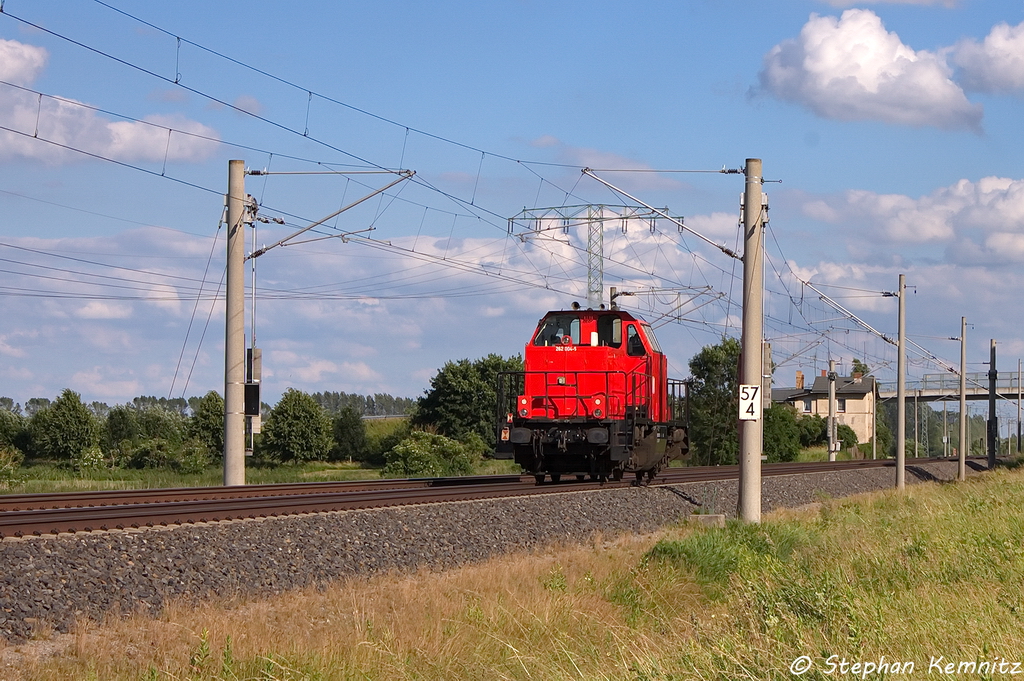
(851, 68)
(994, 65)
(20, 63)
(249, 104)
(9, 350)
(67, 123)
(98, 309)
(978, 220)
(639, 179)
(717, 226)
(96, 383)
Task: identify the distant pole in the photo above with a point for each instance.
(945, 431)
(964, 416)
(752, 373)
(917, 436)
(1018, 406)
(901, 389)
(831, 410)
(874, 422)
(993, 420)
(234, 338)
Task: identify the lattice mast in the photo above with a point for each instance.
(534, 222)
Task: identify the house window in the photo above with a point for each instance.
(807, 406)
(841, 405)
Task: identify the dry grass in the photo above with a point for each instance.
(938, 571)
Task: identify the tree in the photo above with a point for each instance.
(860, 367)
(714, 405)
(62, 430)
(207, 422)
(35, 405)
(175, 404)
(121, 426)
(8, 404)
(813, 430)
(462, 397)
(427, 455)
(349, 436)
(162, 423)
(847, 437)
(12, 426)
(781, 433)
(298, 429)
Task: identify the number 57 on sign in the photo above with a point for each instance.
(750, 403)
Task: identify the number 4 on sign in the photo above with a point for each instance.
(750, 403)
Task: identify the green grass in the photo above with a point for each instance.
(39, 477)
(47, 477)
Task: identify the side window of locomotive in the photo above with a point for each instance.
(649, 332)
(609, 331)
(634, 344)
(556, 327)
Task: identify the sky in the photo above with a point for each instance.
(889, 134)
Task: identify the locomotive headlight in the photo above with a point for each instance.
(598, 401)
(598, 413)
(522, 401)
(524, 412)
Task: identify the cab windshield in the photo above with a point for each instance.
(649, 332)
(555, 327)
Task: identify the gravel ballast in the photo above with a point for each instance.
(52, 581)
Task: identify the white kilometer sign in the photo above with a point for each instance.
(750, 403)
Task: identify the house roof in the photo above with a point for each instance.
(846, 386)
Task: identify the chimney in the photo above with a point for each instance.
(799, 380)
(824, 373)
(858, 377)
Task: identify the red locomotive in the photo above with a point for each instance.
(594, 399)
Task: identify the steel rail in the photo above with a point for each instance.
(21, 502)
(279, 500)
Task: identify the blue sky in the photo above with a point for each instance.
(893, 127)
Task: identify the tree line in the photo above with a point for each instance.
(444, 432)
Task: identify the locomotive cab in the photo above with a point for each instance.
(594, 399)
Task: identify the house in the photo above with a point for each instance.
(856, 397)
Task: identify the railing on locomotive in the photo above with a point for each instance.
(636, 392)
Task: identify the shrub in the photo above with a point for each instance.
(63, 429)
(10, 462)
(187, 457)
(194, 459)
(427, 455)
(11, 427)
(846, 436)
(89, 459)
(781, 433)
(207, 423)
(162, 423)
(349, 436)
(121, 425)
(298, 429)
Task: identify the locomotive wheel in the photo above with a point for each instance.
(556, 477)
(539, 478)
(617, 474)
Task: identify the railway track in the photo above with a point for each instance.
(41, 514)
